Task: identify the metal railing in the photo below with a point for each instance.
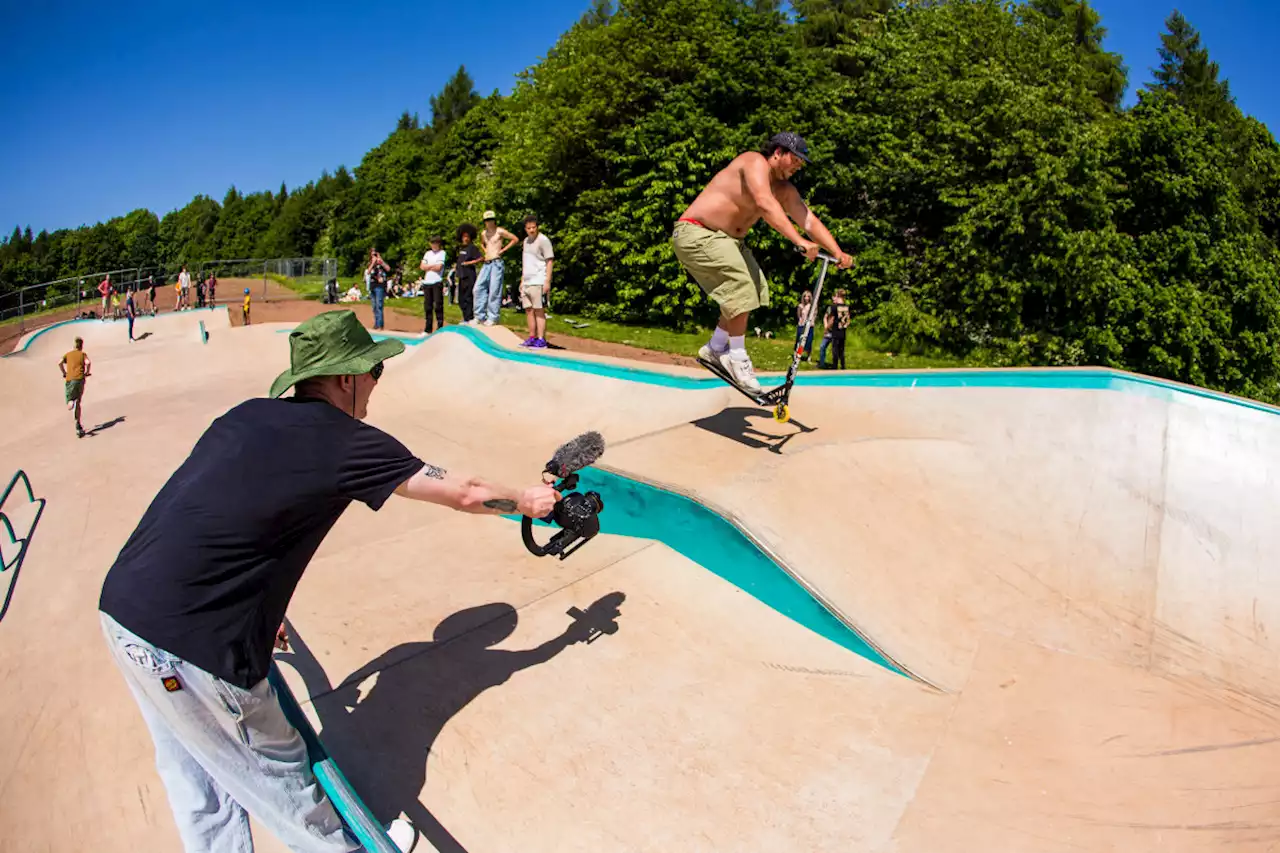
(78, 296)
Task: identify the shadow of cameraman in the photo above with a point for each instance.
(383, 740)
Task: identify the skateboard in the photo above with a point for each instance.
(780, 397)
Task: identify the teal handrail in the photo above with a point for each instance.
(23, 543)
(354, 813)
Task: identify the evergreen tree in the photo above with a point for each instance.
(1187, 72)
(825, 23)
(1077, 21)
(454, 101)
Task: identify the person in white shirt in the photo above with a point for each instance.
(184, 288)
(535, 282)
(433, 285)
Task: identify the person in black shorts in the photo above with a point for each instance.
(194, 604)
(469, 257)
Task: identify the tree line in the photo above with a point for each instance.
(973, 155)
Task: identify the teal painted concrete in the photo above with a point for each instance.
(1095, 379)
(50, 328)
(637, 509)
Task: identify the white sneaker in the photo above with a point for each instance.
(403, 834)
(742, 371)
(488, 322)
(708, 354)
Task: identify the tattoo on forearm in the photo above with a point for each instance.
(501, 504)
(432, 471)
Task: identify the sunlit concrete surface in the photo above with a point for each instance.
(1080, 583)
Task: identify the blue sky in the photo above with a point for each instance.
(112, 107)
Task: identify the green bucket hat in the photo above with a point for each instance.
(332, 344)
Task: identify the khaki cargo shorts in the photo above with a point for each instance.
(723, 267)
(530, 296)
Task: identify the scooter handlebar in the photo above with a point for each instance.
(822, 256)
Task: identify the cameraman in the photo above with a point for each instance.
(191, 606)
(377, 274)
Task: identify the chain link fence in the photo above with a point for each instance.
(269, 279)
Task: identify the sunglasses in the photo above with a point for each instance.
(376, 372)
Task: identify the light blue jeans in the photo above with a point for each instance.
(377, 296)
(488, 292)
(224, 753)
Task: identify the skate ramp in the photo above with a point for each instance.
(1076, 578)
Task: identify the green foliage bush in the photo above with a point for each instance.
(972, 154)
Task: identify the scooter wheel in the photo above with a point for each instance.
(782, 413)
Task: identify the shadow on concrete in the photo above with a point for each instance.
(104, 426)
(143, 336)
(382, 739)
(740, 425)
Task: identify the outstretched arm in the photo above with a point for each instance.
(812, 225)
(471, 494)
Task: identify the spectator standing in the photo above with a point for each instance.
(130, 311)
(535, 282)
(488, 290)
(433, 285)
(184, 288)
(104, 288)
(469, 256)
(246, 306)
(377, 271)
(151, 293)
(802, 314)
(836, 323)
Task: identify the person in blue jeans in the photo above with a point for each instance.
(377, 270)
(194, 604)
(488, 292)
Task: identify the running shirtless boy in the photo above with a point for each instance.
(708, 241)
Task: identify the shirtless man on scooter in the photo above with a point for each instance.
(708, 240)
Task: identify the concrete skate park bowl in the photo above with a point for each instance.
(942, 611)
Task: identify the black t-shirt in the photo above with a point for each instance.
(377, 276)
(469, 252)
(209, 571)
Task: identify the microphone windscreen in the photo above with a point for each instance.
(576, 453)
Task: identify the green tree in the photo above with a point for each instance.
(1078, 22)
(1187, 72)
(454, 101)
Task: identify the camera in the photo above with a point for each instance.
(578, 516)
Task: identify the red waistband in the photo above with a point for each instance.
(694, 221)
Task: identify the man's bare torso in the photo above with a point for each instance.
(726, 204)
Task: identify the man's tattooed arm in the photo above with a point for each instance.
(433, 471)
(501, 504)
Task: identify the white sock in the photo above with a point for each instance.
(738, 346)
(719, 340)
